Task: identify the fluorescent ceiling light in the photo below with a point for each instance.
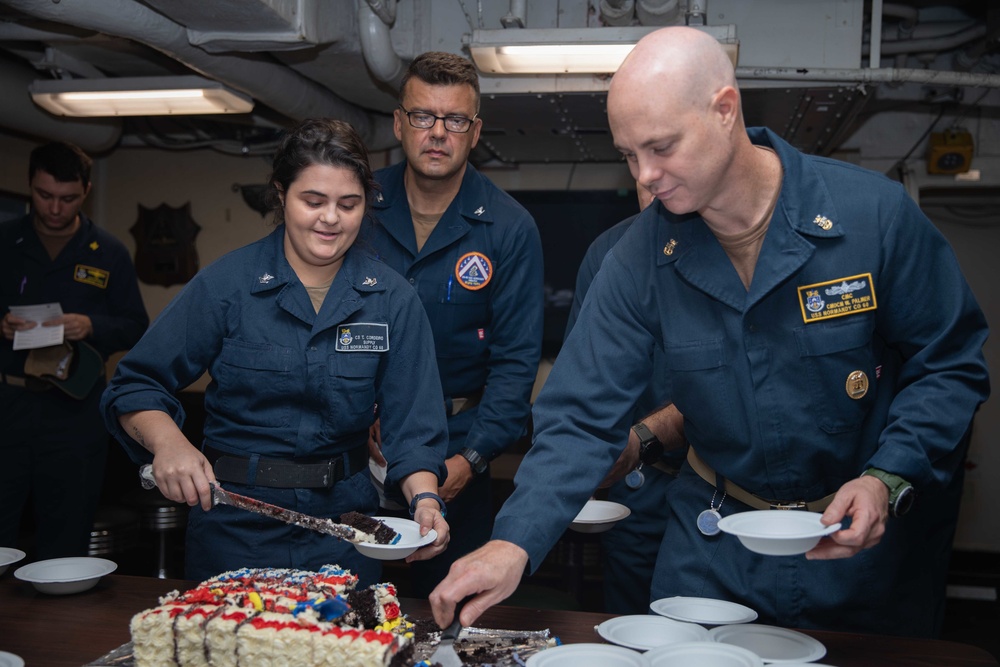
(568, 50)
(140, 96)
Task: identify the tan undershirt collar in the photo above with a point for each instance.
(318, 294)
(743, 248)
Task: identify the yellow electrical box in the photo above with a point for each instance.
(949, 152)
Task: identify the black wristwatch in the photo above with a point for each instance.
(477, 462)
(417, 497)
(901, 492)
(650, 447)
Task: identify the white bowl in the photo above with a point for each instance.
(409, 540)
(587, 655)
(61, 576)
(643, 631)
(777, 532)
(702, 654)
(9, 556)
(598, 516)
(703, 611)
(10, 660)
(772, 643)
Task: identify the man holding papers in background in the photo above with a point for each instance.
(58, 266)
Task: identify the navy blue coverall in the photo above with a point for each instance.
(55, 446)
(291, 384)
(629, 550)
(851, 277)
(479, 276)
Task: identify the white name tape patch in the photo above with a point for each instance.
(363, 337)
(836, 298)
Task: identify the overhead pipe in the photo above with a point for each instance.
(268, 82)
(517, 15)
(875, 47)
(19, 113)
(867, 75)
(935, 44)
(657, 12)
(617, 12)
(374, 21)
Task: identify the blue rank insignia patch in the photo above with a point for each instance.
(474, 270)
(363, 337)
(91, 276)
(835, 298)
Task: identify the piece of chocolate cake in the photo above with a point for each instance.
(382, 533)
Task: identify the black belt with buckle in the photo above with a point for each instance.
(285, 474)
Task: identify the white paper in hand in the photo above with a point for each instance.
(38, 336)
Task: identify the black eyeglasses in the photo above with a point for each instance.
(425, 121)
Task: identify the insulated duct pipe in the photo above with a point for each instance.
(517, 16)
(657, 12)
(617, 12)
(883, 75)
(875, 47)
(272, 84)
(376, 44)
(934, 44)
(19, 113)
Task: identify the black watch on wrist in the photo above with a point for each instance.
(477, 462)
(650, 447)
(901, 492)
(427, 494)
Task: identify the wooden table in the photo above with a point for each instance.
(72, 630)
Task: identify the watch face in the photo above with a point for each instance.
(651, 452)
(904, 501)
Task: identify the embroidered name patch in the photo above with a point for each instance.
(362, 337)
(91, 276)
(474, 270)
(843, 296)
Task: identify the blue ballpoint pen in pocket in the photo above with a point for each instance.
(451, 279)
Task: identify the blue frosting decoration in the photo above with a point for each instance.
(328, 610)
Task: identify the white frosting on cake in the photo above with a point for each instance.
(247, 618)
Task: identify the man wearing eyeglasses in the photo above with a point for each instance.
(475, 257)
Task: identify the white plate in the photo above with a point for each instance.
(598, 516)
(645, 632)
(9, 556)
(706, 611)
(702, 654)
(10, 660)
(777, 533)
(771, 643)
(409, 540)
(60, 576)
(587, 655)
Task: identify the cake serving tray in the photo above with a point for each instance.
(508, 648)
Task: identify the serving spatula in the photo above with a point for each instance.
(445, 654)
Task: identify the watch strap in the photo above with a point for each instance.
(900, 491)
(650, 447)
(417, 497)
(475, 460)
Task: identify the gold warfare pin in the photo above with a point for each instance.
(857, 385)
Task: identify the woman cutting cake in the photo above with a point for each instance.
(305, 338)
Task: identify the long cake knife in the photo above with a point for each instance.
(222, 497)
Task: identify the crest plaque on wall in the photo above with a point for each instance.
(165, 252)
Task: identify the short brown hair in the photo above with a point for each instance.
(66, 162)
(438, 68)
(315, 141)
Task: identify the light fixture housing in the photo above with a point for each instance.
(569, 50)
(137, 96)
